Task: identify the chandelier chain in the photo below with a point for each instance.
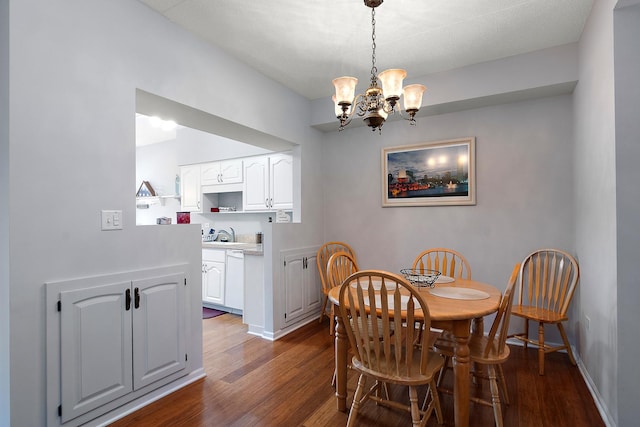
(374, 69)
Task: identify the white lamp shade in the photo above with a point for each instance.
(345, 89)
(413, 97)
(392, 82)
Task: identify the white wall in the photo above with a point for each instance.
(627, 128)
(75, 69)
(595, 200)
(524, 182)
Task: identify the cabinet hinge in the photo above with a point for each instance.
(59, 305)
(60, 410)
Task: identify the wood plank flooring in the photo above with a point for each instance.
(255, 382)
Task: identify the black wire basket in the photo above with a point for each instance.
(420, 278)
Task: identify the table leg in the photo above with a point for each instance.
(477, 330)
(341, 347)
(461, 383)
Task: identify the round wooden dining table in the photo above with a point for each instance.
(452, 306)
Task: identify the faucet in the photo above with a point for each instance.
(233, 234)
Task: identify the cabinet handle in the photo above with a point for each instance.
(127, 299)
(270, 203)
(136, 303)
(266, 202)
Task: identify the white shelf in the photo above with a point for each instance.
(145, 202)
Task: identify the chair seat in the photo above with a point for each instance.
(387, 372)
(477, 346)
(538, 314)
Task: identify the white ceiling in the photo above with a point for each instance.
(305, 44)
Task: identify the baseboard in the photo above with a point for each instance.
(149, 398)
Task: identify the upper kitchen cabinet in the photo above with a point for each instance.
(268, 183)
(190, 188)
(221, 173)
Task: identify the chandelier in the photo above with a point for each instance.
(376, 103)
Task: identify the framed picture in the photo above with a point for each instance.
(431, 174)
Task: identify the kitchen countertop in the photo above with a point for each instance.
(248, 248)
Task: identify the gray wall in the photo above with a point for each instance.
(544, 167)
(627, 128)
(524, 178)
(5, 412)
(595, 199)
(75, 70)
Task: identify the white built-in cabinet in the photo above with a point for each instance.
(113, 340)
(190, 189)
(213, 276)
(302, 288)
(222, 172)
(268, 183)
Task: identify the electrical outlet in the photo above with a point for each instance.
(587, 322)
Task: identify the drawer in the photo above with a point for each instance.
(213, 255)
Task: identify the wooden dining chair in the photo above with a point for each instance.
(547, 281)
(340, 266)
(489, 352)
(447, 261)
(369, 301)
(322, 261)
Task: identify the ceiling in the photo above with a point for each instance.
(305, 44)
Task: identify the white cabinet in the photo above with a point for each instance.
(268, 183)
(302, 289)
(222, 172)
(118, 338)
(213, 276)
(190, 188)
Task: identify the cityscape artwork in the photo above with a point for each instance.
(429, 174)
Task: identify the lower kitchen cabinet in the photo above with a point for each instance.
(302, 288)
(115, 339)
(213, 276)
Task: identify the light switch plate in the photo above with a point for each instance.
(111, 220)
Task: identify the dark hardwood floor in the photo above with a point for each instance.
(254, 382)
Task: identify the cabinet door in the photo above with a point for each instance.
(313, 285)
(96, 346)
(191, 194)
(231, 171)
(213, 282)
(255, 196)
(210, 173)
(294, 289)
(159, 328)
(281, 181)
